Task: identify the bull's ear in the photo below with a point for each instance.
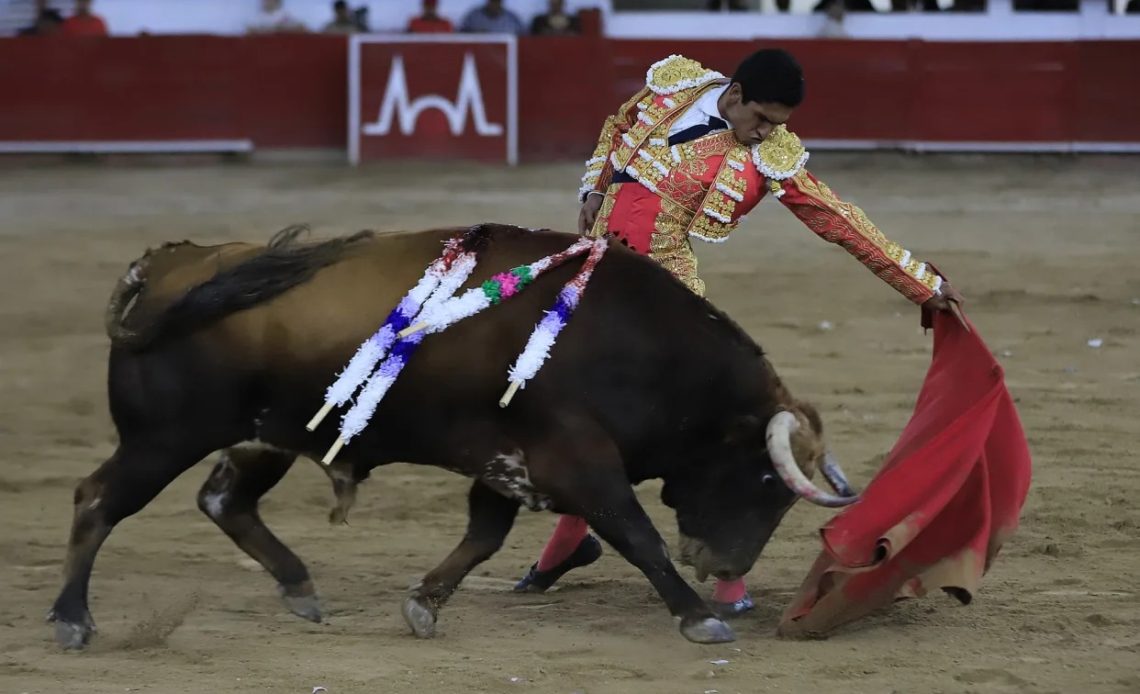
(743, 428)
(814, 420)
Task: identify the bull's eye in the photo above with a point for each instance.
(768, 478)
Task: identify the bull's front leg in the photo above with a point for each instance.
(490, 518)
(626, 527)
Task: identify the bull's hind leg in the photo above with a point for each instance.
(230, 496)
(490, 518)
(121, 487)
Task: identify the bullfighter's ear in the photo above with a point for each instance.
(742, 428)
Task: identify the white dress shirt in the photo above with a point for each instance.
(700, 111)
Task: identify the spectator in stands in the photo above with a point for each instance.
(735, 5)
(848, 5)
(274, 19)
(833, 21)
(361, 15)
(492, 18)
(47, 21)
(429, 22)
(934, 6)
(84, 22)
(555, 22)
(344, 21)
(967, 6)
(1045, 5)
(915, 6)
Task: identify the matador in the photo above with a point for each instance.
(687, 157)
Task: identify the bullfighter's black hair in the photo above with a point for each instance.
(771, 74)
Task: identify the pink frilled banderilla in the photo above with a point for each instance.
(434, 308)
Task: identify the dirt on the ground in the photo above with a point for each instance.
(1046, 250)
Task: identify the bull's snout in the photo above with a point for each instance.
(706, 562)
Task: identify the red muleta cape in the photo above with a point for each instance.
(948, 495)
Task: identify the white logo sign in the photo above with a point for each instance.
(468, 100)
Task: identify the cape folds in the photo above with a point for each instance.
(935, 516)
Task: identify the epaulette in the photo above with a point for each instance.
(677, 72)
(779, 157)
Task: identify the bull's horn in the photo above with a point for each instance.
(779, 437)
(835, 477)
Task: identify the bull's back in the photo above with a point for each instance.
(319, 324)
(630, 343)
(173, 269)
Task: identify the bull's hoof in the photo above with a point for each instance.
(72, 636)
(301, 599)
(420, 618)
(306, 606)
(707, 630)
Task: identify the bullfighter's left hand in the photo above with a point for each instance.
(948, 299)
(942, 300)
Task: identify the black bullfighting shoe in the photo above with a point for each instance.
(727, 610)
(586, 553)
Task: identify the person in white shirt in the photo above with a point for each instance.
(273, 18)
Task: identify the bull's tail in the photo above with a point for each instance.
(282, 266)
(126, 291)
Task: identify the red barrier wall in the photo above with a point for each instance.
(291, 91)
(279, 91)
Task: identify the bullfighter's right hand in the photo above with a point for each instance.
(589, 212)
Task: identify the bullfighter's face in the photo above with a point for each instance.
(728, 508)
(752, 121)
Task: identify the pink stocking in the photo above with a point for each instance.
(568, 534)
(729, 592)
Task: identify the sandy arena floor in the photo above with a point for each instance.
(1046, 250)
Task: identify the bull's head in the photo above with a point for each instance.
(729, 504)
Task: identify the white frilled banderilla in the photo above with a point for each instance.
(433, 306)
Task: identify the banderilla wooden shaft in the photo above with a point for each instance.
(319, 416)
(413, 329)
(511, 390)
(333, 451)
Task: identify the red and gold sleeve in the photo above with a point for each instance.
(599, 170)
(844, 224)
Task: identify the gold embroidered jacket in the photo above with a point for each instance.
(705, 187)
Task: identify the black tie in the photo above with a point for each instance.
(686, 135)
(693, 132)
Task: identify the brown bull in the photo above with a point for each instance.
(230, 348)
